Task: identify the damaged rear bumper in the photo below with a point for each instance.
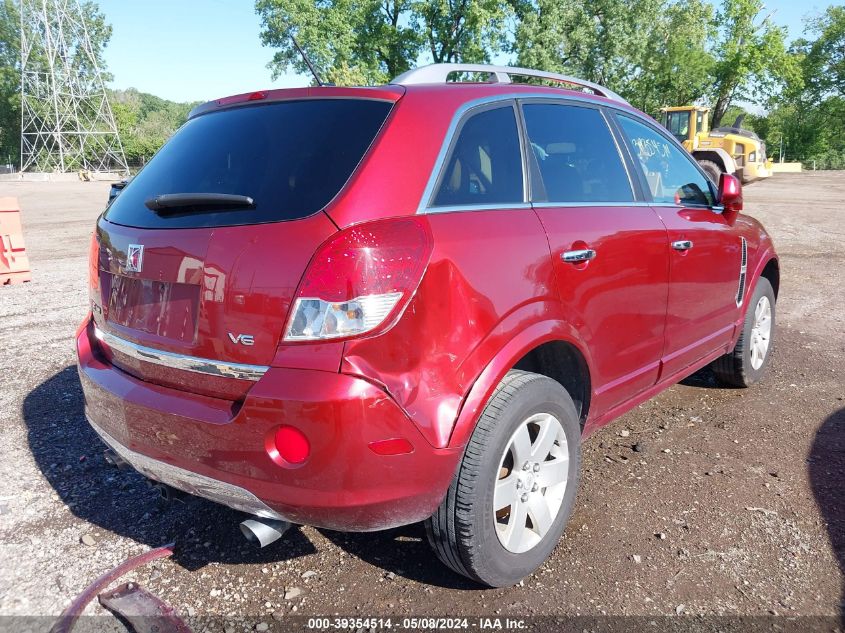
(217, 448)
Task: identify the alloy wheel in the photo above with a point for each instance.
(761, 332)
(531, 482)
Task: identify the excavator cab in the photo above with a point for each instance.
(731, 150)
(685, 122)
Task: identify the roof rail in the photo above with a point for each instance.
(438, 73)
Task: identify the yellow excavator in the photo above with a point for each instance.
(731, 149)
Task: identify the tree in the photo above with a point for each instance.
(600, 40)
(145, 122)
(808, 117)
(824, 58)
(752, 62)
(677, 67)
(10, 67)
(461, 30)
(652, 52)
(10, 82)
(372, 41)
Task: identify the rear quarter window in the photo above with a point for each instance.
(291, 157)
(485, 162)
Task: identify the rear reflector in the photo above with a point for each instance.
(394, 446)
(288, 446)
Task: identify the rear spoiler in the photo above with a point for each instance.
(382, 93)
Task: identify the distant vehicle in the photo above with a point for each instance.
(117, 187)
(725, 150)
(358, 308)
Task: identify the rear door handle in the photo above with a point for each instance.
(682, 245)
(582, 255)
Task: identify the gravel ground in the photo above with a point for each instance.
(735, 504)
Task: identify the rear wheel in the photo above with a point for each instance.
(747, 363)
(515, 488)
(712, 169)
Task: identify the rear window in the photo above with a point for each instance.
(290, 157)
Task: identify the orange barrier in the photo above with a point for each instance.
(14, 264)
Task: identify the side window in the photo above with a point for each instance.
(670, 173)
(576, 154)
(485, 165)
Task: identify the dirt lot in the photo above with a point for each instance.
(736, 506)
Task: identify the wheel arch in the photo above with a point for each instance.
(552, 349)
(564, 363)
(718, 156)
(771, 271)
(768, 268)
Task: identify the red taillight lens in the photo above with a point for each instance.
(93, 265)
(247, 96)
(360, 279)
(290, 444)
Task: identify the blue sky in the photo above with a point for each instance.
(196, 50)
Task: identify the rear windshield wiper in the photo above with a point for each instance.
(198, 201)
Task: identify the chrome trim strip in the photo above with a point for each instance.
(479, 207)
(180, 361)
(551, 205)
(423, 206)
(743, 272)
(193, 483)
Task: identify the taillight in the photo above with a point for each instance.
(93, 264)
(360, 279)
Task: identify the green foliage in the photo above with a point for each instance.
(653, 52)
(751, 59)
(660, 52)
(808, 117)
(371, 41)
(824, 57)
(145, 122)
(10, 81)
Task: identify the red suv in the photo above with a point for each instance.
(358, 308)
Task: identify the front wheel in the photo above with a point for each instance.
(515, 487)
(747, 363)
(712, 169)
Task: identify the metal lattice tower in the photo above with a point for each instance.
(66, 121)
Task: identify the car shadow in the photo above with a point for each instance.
(402, 551)
(826, 469)
(704, 378)
(70, 456)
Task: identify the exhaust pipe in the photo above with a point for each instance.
(263, 531)
(113, 459)
(168, 494)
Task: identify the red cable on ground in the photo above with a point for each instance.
(68, 618)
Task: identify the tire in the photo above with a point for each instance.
(743, 366)
(465, 532)
(711, 169)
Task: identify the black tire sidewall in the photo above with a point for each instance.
(712, 170)
(493, 564)
(751, 375)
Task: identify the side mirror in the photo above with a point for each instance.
(730, 196)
